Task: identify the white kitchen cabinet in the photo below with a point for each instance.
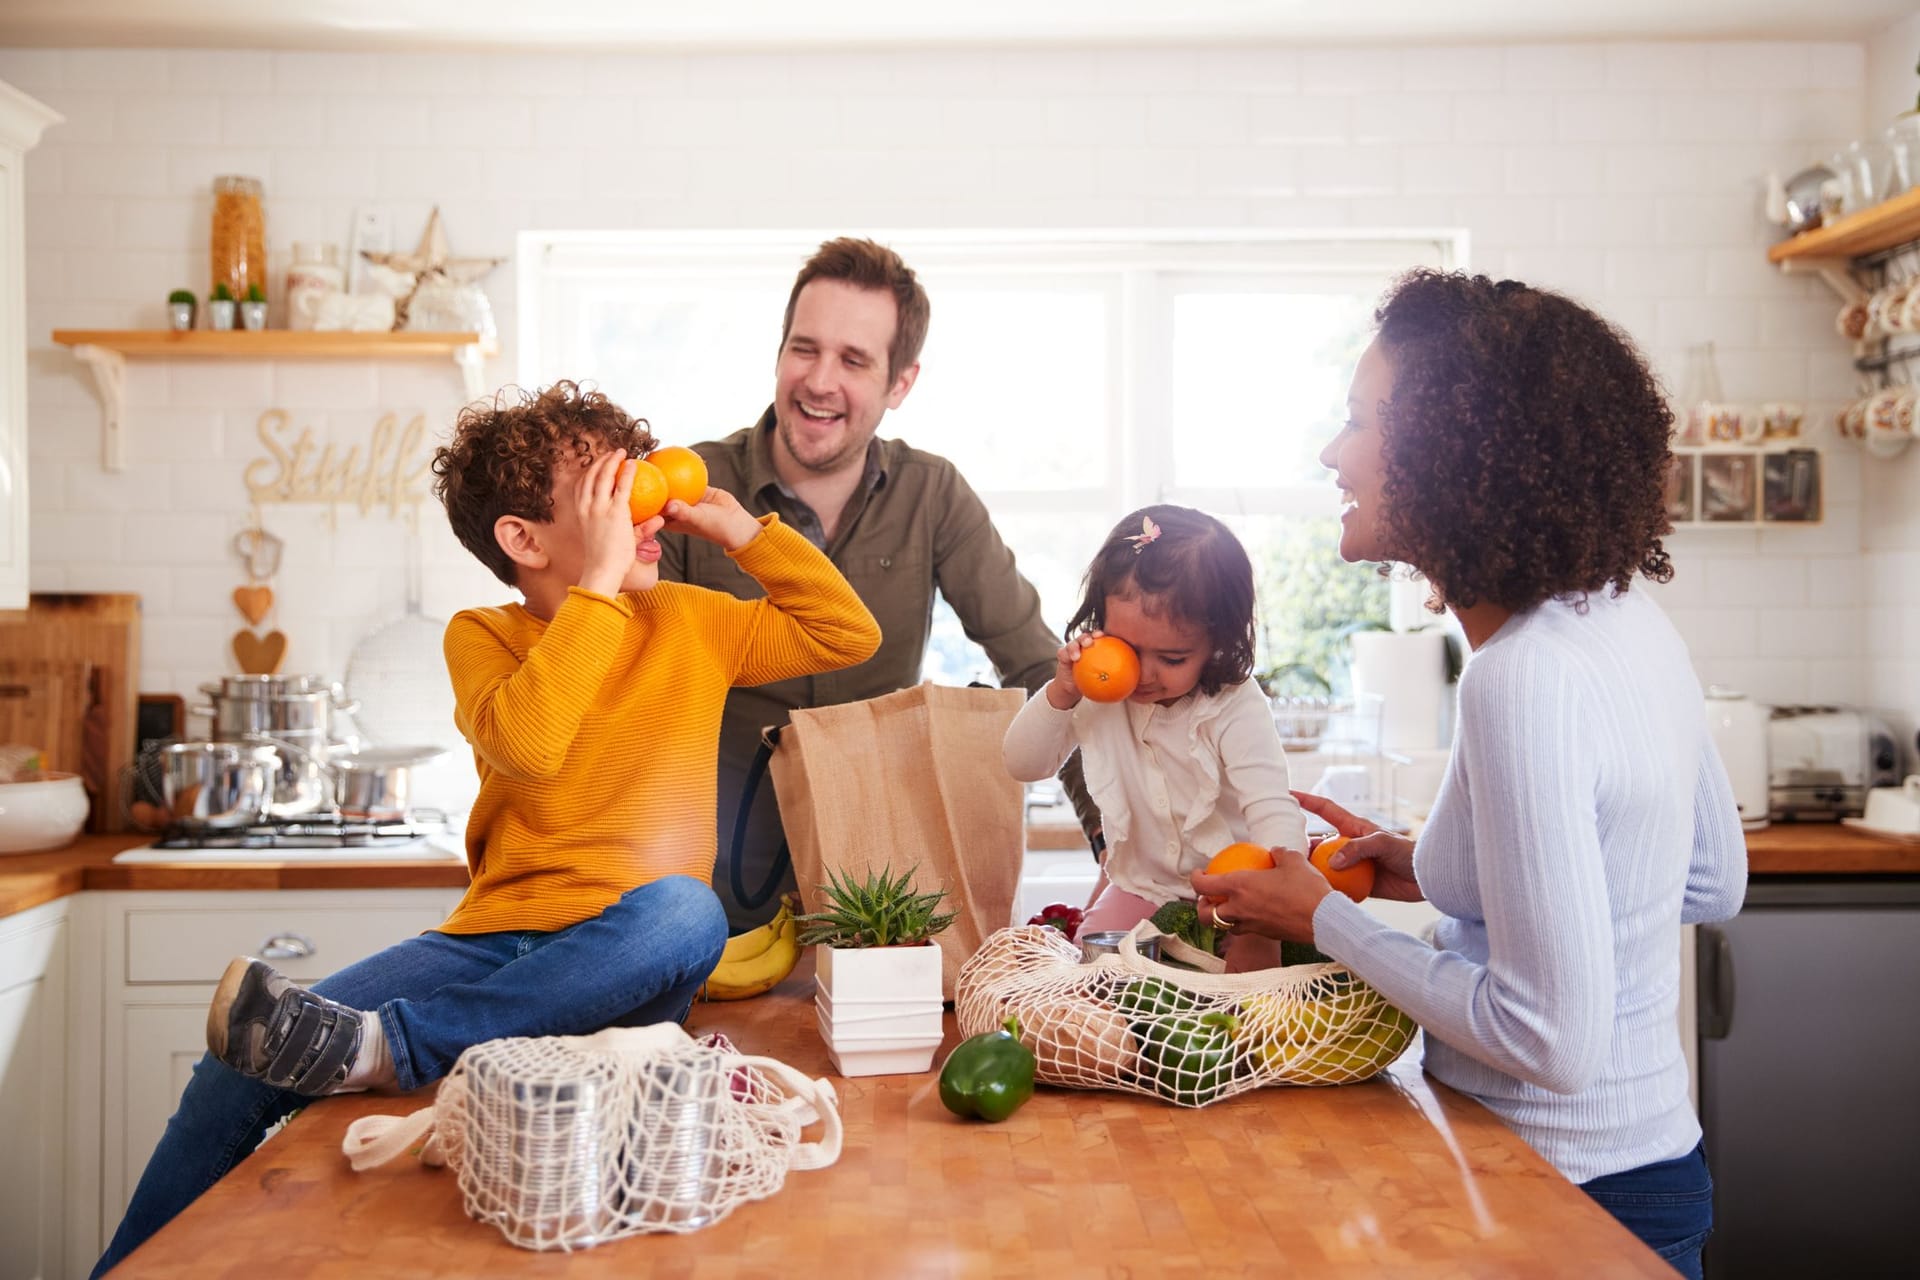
(22, 120)
(33, 1092)
(161, 956)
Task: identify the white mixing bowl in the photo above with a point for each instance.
(42, 811)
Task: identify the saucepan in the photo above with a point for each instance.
(217, 785)
(374, 784)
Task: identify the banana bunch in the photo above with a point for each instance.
(758, 960)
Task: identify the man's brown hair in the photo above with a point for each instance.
(505, 454)
(867, 265)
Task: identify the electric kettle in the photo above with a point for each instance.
(1738, 727)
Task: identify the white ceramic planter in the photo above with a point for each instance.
(879, 1008)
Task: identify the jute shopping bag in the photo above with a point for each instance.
(913, 777)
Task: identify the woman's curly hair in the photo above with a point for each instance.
(1193, 570)
(1526, 444)
(505, 454)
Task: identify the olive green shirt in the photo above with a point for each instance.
(913, 527)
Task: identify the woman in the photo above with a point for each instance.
(1512, 446)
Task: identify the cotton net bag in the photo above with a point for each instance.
(564, 1142)
(1191, 1037)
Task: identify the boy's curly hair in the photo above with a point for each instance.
(1526, 444)
(1194, 570)
(505, 454)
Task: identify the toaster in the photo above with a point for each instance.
(1822, 762)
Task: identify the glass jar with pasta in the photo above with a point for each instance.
(239, 245)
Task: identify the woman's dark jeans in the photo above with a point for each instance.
(1669, 1205)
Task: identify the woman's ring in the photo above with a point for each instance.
(1220, 921)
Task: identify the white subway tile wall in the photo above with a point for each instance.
(1628, 174)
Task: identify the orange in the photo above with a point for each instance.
(1355, 881)
(685, 470)
(649, 495)
(1107, 669)
(1243, 856)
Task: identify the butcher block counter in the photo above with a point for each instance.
(1396, 1177)
(29, 879)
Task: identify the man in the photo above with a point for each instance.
(901, 523)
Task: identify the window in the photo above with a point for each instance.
(1071, 377)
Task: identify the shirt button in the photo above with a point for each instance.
(886, 562)
(1173, 846)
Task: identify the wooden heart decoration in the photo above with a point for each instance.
(259, 655)
(253, 602)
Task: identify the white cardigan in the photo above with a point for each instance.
(1175, 785)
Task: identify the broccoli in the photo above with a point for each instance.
(1182, 920)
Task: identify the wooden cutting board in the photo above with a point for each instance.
(44, 704)
(102, 631)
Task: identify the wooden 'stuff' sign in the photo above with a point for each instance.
(390, 471)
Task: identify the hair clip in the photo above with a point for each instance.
(1148, 532)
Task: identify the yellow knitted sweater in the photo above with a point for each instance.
(595, 734)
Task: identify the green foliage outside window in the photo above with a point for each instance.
(1310, 600)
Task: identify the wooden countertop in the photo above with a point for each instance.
(1396, 1177)
(29, 879)
(1829, 848)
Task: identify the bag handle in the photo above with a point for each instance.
(1179, 949)
(374, 1140)
(769, 739)
(809, 1100)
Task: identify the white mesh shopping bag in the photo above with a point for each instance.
(569, 1141)
(1188, 1036)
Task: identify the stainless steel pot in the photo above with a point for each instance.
(216, 784)
(375, 784)
(302, 783)
(237, 717)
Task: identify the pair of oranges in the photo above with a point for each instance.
(1355, 881)
(664, 474)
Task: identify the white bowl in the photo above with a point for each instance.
(42, 811)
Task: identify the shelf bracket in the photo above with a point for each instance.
(110, 380)
(1833, 271)
(472, 362)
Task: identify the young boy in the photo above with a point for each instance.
(594, 710)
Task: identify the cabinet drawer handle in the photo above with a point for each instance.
(287, 946)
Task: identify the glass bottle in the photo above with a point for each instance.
(239, 243)
(1699, 392)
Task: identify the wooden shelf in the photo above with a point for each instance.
(106, 352)
(1886, 224)
(269, 344)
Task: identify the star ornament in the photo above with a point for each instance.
(430, 261)
(433, 257)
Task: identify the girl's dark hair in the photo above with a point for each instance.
(505, 453)
(1195, 570)
(1526, 444)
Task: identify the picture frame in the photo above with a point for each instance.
(1729, 488)
(1790, 489)
(1681, 488)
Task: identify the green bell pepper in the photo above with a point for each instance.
(1189, 1060)
(1150, 997)
(988, 1076)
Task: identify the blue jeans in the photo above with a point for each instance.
(640, 961)
(1669, 1205)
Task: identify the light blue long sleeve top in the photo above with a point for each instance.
(1584, 816)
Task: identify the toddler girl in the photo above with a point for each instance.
(1191, 761)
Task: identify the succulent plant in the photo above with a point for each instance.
(221, 293)
(182, 296)
(881, 911)
(255, 293)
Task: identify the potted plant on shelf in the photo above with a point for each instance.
(181, 304)
(220, 307)
(253, 311)
(878, 998)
